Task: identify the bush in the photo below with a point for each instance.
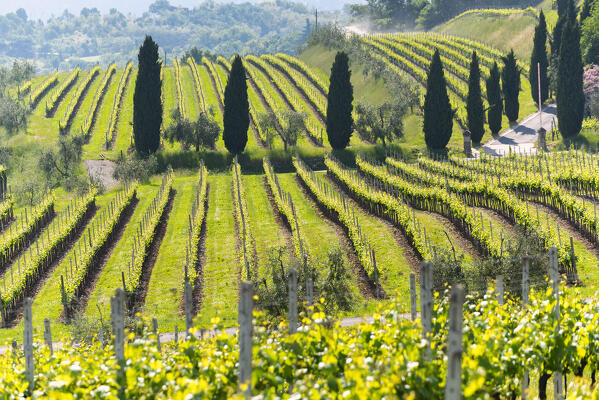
(272, 290)
(129, 170)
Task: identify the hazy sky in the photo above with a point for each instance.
(45, 8)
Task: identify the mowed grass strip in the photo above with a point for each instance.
(392, 262)
(267, 232)
(124, 127)
(165, 290)
(220, 292)
(110, 278)
(86, 102)
(190, 96)
(98, 135)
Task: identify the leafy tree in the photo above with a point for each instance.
(293, 128)
(236, 117)
(61, 166)
(570, 92)
(495, 100)
(381, 122)
(585, 12)
(510, 79)
(135, 169)
(539, 57)
(147, 102)
(13, 114)
(268, 124)
(590, 37)
(474, 104)
(438, 115)
(339, 107)
(200, 133)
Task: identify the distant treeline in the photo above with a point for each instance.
(72, 40)
(410, 14)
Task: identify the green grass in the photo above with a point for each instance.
(165, 290)
(263, 225)
(110, 276)
(220, 270)
(190, 96)
(392, 262)
(124, 126)
(85, 104)
(98, 134)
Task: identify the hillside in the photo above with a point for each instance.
(503, 29)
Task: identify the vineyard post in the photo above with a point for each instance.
(453, 385)
(292, 301)
(499, 289)
(413, 306)
(188, 309)
(426, 302)
(48, 335)
(117, 314)
(245, 338)
(155, 331)
(176, 336)
(28, 343)
(573, 276)
(63, 296)
(525, 290)
(558, 389)
(309, 291)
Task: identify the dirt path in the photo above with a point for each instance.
(101, 171)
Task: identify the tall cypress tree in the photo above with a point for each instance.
(147, 102)
(236, 116)
(562, 6)
(495, 101)
(570, 92)
(569, 12)
(438, 115)
(539, 57)
(474, 104)
(339, 108)
(510, 79)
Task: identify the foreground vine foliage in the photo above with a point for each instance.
(380, 359)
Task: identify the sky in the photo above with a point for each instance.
(44, 9)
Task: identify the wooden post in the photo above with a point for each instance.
(453, 385)
(309, 292)
(117, 311)
(188, 309)
(292, 301)
(176, 336)
(413, 305)
(525, 281)
(245, 338)
(155, 330)
(558, 382)
(574, 273)
(499, 289)
(426, 302)
(48, 335)
(28, 343)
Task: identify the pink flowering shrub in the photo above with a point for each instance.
(591, 87)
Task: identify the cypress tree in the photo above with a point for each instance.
(339, 108)
(570, 92)
(236, 116)
(495, 100)
(474, 104)
(510, 79)
(438, 115)
(147, 102)
(562, 6)
(569, 12)
(539, 56)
